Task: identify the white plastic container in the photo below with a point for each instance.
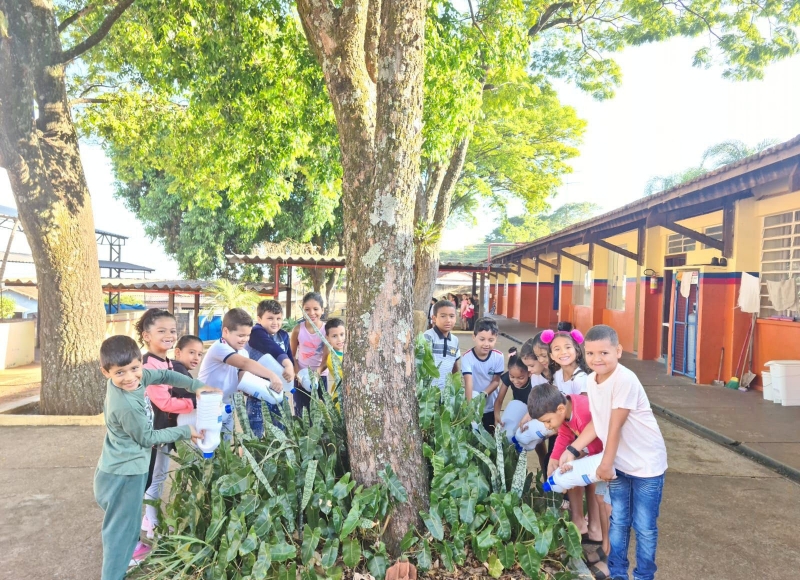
(535, 432)
(209, 443)
(259, 388)
(766, 383)
(583, 472)
(209, 420)
(191, 418)
(268, 361)
(305, 379)
(785, 381)
(512, 415)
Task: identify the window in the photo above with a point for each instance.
(713, 232)
(678, 244)
(581, 284)
(780, 256)
(616, 281)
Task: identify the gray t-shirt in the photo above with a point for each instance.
(445, 353)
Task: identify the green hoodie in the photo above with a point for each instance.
(129, 424)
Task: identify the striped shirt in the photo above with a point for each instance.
(445, 353)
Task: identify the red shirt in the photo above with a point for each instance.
(571, 428)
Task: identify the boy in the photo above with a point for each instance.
(119, 480)
(268, 337)
(482, 367)
(443, 343)
(624, 422)
(334, 333)
(226, 357)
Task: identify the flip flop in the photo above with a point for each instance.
(586, 541)
(595, 556)
(598, 573)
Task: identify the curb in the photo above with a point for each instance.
(737, 446)
(786, 471)
(52, 420)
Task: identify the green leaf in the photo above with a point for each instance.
(424, 559)
(446, 553)
(310, 542)
(351, 521)
(330, 553)
(433, 522)
(282, 551)
(529, 560)
(343, 487)
(527, 519)
(503, 523)
(233, 484)
(234, 537)
(351, 553)
(263, 561)
(288, 572)
(214, 528)
(505, 551)
(572, 540)
(467, 506)
(393, 483)
(500, 441)
(520, 474)
(250, 542)
(377, 565)
(495, 566)
(441, 427)
(408, 541)
(543, 541)
(308, 486)
(486, 539)
(450, 511)
(263, 523)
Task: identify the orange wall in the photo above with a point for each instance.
(582, 318)
(599, 293)
(527, 311)
(649, 320)
(623, 320)
(545, 306)
(775, 340)
(565, 311)
(503, 300)
(513, 301)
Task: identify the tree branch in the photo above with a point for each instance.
(547, 15)
(97, 36)
(88, 101)
(80, 14)
(372, 37)
(450, 181)
(319, 19)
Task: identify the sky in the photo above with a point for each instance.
(665, 114)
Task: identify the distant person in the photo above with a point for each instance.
(444, 343)
(469, 313)
(268, 337)
(482, 367)
(309, 351)
(430, 312)
(121, 472)
(227, 357)
(335, 335)
(635, 456)
(462, 310)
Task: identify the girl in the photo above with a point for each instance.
(534, 354)
(308, 349)
(188, 354)
(157, 332)
(469, 313)
(566, 351)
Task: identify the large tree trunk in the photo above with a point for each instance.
(426, 255)
(372, 58)
(39, 150)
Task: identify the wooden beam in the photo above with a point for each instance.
(590, 265)
(528, 268)
(728, 222)
(697, 236)
(574, 258)
(474, 283)
(641, 237)
(546, 263)
(289, 293)
(277, 282)
(479, 311)
(558, 263)
(171, 302)
(197, 314)
(617, 249)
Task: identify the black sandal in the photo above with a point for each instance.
(598, 573)
(585, 540)
(599, 556)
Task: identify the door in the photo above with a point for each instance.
(669, 262)
(684, 333)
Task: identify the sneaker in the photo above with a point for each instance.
(139, 554)
(149, 527)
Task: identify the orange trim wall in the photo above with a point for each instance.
(775, 340)
(545, 305)
(649, 320)
(623, 320)
(599, 294)
(565, 310)
(513, 301)
(527, 311)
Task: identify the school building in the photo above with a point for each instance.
(626, 268)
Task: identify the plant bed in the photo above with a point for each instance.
(286, 507)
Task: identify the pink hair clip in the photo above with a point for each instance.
(577, 336)
(548, 336)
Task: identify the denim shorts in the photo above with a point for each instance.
(601, 488)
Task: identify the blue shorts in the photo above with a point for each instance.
(601, 488)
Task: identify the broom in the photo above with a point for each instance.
(733, 383)
(747, 377)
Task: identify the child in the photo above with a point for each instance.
(623, 420)
(536, 356)
(157, 331)
(309, 352)
(226, 357)
(518, 379)
(430, 312)
(443, 343)
(268, 337)
(334, 333)
(188, 354)
(469, 313)
(463, 310)
(569, 415)
(121, 473)
(482, 367)
(567, 352)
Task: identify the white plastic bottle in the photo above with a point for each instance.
(584, 472)
(191, 418)
(209, 420)
(512, 415)
(305, 379)
(269, 362)
(259, 388)
(535, 432)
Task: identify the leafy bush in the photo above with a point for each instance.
(286, 506)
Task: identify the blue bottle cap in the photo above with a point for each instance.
(546, 486)
(228, 409)
(208, 455)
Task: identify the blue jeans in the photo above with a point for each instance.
(635, 502)
(255, 415)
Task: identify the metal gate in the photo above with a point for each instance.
(684, 333)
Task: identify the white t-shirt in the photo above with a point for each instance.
(575, 386)
(642, 451)
(215, 372)
(483, 371)
(538, 380)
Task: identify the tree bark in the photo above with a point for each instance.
(379, 118)
(39, 150)
(426, 255)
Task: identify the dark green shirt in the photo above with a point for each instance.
(129, 424)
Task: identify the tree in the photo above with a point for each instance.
(226, 295)
(527, 227)
(714, 157)
(7, 307)
(39, 151)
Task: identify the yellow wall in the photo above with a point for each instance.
(527, 275)
(17, 342)
(122, 323)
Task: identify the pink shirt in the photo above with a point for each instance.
(161, 395)
(309, 349)
(570, 429)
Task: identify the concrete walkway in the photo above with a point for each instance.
(743, 421)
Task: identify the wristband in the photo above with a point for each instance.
(574, 451)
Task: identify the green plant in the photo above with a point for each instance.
(224, 295)
(7, 307)
(286, 506)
